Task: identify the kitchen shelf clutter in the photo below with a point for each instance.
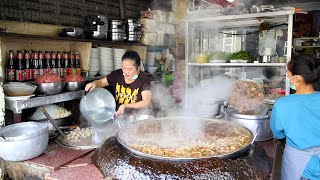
(248, 46)
(15, 42)
(308, 45)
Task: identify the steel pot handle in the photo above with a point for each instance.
(221, 108)
(255, 135)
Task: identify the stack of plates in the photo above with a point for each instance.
(106, 61)
(117, 57)
(94, 65)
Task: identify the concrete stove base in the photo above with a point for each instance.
(59, 163)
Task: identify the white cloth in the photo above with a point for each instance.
(294, 161)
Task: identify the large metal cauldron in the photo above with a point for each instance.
(251, 122)
(166, 132)
(23, 141)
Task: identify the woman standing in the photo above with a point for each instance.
(296, 117)
(130, 87)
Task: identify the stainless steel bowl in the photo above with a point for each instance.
(50, 88)
(23, 141)
(74, 86)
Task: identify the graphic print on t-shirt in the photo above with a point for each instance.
(126, 95)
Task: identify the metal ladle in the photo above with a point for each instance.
(43, 109)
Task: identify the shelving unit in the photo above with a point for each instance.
(199, 28)
(240, 64)
(18, 105)
(298, 43)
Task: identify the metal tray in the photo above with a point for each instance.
(59, 141)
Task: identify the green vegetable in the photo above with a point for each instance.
(241, 55)
(219, 55)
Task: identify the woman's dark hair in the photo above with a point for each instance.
(132, 55)
(306, 66)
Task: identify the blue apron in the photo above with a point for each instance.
(294, 161)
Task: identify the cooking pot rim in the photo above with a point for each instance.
(41, 129)
(232, 113)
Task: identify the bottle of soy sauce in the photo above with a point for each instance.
(20, 70)
(11, 70)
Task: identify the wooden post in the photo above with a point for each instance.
(122, 10)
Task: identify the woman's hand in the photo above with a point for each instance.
(97, 83)
(90, 86)
(121, 109)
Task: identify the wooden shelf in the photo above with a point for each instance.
(69, 39)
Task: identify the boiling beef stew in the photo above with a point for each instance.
(173, 138)
(246, 96)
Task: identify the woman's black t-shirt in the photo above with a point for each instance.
(127, 93)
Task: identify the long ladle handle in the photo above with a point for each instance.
(52, 122)
(255, 135)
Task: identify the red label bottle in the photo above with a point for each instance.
(59, 64)
(40, 67)
(78, 68)
(20, 70)
(11, 71)
(53, 63)
(27, 70)
(65, 64)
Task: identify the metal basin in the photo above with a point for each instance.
(23, 141)
(74, 86)
(50, 88)
(18, 89)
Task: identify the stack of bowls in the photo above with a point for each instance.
(117, 57)
(106, 61)
(94, 65)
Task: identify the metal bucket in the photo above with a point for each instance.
(98, 106)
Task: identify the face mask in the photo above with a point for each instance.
(134, 77)
(293, 87)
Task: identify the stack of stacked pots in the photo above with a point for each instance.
(117, 30)
(133, 30)
(96, 26)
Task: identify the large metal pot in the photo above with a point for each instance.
(157, 134)
(116, 24)
(117, 30)
(72, 32)
(133, 38)
(251, 122)
(117, 36)
(23, 141)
